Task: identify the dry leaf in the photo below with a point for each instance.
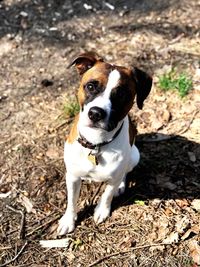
(55, 243)
(194, 251)
(181, 224)
(196, 204)
(162, 232)
(193, 230)
(156, 124)
(168, 212)
(52, 153)
(166, 115)
(25, 201)
(182, 203)
(173, 237)
(128, 242)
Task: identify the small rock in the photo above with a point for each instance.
(191, 156)
(87, 7)
(23, 14)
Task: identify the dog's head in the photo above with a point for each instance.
(107, 91)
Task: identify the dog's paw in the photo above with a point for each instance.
(101, 213)
(120, 190)
(66, 224)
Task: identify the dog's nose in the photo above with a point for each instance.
(96, 114)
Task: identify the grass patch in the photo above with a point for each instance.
(174, 81)
(71, 108)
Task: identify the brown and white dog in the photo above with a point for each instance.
(100, 146)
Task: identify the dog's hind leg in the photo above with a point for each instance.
(67, 222)
(120, 190)
(135, 156)
(134, 159)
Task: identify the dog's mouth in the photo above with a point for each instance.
(106, 126)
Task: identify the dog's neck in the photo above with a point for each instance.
(87, 144)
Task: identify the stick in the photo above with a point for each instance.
(16, 256)
(95, 194)
(63, 124)
(124, 252)
(42, 225)
(189, 123)
(21, 230)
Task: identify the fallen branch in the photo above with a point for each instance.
(16, 256)
(22, 213)
(124, 252)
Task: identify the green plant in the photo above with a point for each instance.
(71, 108)
(139, 202)
(174, 81)
(183, 84)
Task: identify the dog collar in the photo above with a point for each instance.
(85, 143)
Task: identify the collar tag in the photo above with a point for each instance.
(93, 158)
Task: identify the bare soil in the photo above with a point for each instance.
(157, 221)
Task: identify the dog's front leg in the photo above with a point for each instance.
(67, 222)
(102, 210)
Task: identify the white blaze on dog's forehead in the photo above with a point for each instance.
(113, 81)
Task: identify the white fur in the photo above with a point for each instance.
(116, 160)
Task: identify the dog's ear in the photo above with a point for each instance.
(85, 61)
(143, 86)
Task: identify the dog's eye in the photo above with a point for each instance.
(91, 88)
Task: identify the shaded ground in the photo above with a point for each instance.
(38, 39)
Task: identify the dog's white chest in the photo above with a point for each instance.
(114, 159)
(110, 162)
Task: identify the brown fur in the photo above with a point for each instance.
(74, 132)
(99, 72)
(132, 131)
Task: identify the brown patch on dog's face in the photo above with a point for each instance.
(93, 82)
(122, 97)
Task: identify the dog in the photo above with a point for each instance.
(100, 146)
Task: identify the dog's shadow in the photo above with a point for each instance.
(169, 168)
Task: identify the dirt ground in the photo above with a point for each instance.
(157, 221)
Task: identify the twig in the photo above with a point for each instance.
(88, 207)
(42, 225)
(95, 194)
(5, 248)
(22, 213)
(189, 123)
(124, 252)
(63, 124)
(7, 116)
(16, 256)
